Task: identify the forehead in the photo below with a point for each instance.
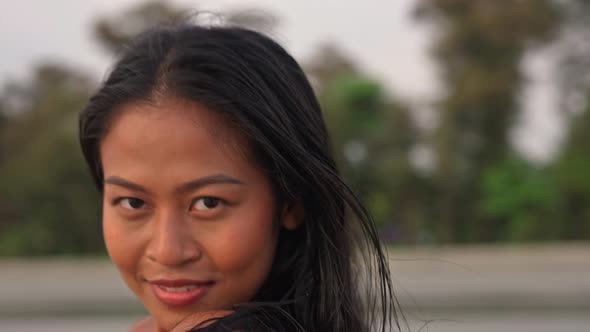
(172, 142)
(176, 120)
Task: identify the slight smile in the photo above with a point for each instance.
(180, 292)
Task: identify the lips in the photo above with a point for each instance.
(180, 292)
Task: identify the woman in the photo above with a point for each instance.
(222, 205)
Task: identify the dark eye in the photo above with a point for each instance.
(206, 203)
(132, 203)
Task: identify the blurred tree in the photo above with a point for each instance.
(113, 32)
(48, 205)
(326, 65)
(479, 191)
(523, 200)
(255, 19)
(372, 135)
(47, 201)
(570, 171)
(574, 54)
(479, 46)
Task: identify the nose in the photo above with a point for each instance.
(171, 241)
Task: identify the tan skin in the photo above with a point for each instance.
(148, 324)
(183, 200)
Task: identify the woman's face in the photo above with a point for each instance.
(188, 218)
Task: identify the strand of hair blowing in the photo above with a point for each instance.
(261, 89)
(283, 112)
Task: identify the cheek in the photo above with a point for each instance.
(120, 246)
(246, 246)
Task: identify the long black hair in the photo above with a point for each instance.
(331, 273)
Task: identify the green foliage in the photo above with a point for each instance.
(49, 205)
(479, 47)
(476, 190)
(373, 135)
(571, 175)
(525, 198)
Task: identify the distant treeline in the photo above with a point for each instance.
(459, 181)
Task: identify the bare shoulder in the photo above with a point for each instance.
(197, 318)
(145, 325)
(149, 325)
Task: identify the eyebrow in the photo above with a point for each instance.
(185, 187)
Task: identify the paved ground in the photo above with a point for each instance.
(467, 323)
(536, 288)
(35, 287)
(541, 277)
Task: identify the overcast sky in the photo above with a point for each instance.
(380, 35)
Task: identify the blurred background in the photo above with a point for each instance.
(463, 124)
